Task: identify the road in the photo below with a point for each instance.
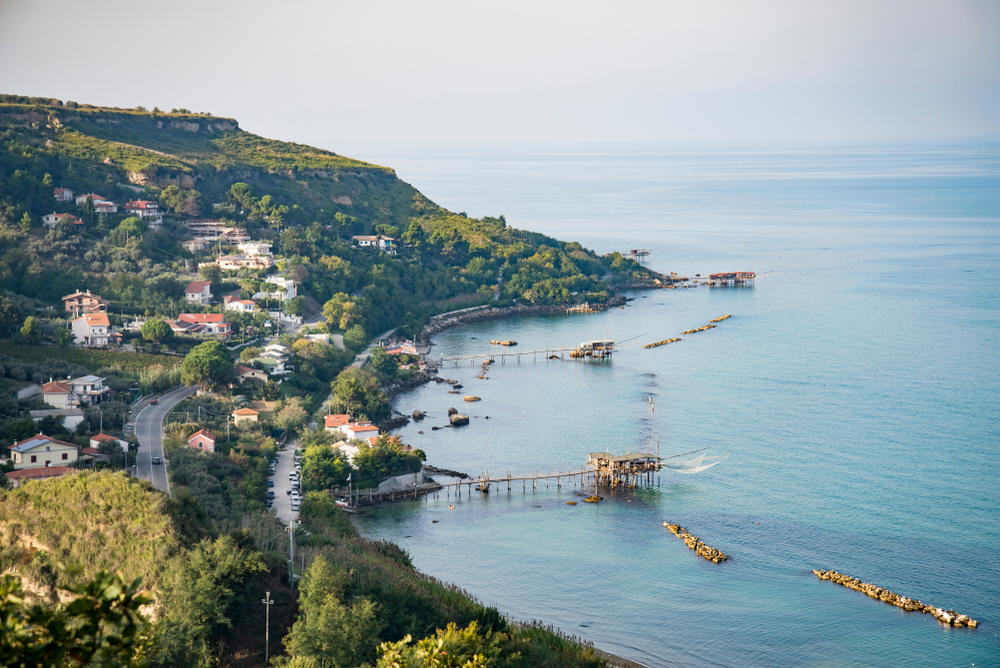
(282, 501)
(149, 430)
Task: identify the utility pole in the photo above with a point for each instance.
(291, 554)
(267, 625)
(227, 428)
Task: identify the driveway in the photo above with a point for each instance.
(149, 430)
(283, 501)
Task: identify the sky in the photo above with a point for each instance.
(385, 73)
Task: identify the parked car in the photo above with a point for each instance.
(270, 493)
(156, 460)
(270, 483)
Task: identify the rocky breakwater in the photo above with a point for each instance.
(949, 617)
(693, 542)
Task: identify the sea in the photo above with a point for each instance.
(855, 390)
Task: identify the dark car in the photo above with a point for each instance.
(270, 483)
(270, 494)
(156, 460)
(154, 402)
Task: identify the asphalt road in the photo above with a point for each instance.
(282, 501)
(149, 430)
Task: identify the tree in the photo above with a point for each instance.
(210, 272)
(291, 418)
(63, 337)
(101, 626)
(208, 364)
(25, 222)
(355, 338)
(10, 315)
(157, 331)
(89, 211)
(30, 331)
(383, 363)
(296, 306)
(249, 354)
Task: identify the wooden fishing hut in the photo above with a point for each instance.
(629, 470)
(594, 349)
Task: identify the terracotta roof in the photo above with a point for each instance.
(202, 317)
(336, 420)
(63, 190)
(245, 411)
(104, 437)
(196, 287)
(141, 204)
(81, 293)
(96, 319)
(56, 387)
(361, 427)
(40, 472)
(202, 432)
(90, 451)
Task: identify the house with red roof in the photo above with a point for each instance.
(199, 292)
(80, 302)
(96, 441)
(60, 394)
(63, 195)
(203, 440)
(19, 478)
(333, 423)
(141, 208)
(245, 415)
(94, 329)
(205, 324)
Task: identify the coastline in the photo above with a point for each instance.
(493, 313)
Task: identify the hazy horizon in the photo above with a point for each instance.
(390, 76)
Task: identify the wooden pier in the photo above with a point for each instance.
(592, 350)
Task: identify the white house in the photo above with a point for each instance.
(377, 241)
(70, 417)
(199, 292)
(52, 220)
(205, 323)
(90, 389)
(286, 289)
(240, 305)
(94, 329)
(41, 451)
(254, 248)
(195, 245)
(63, 195)
(95, 441)
(359, 432)
(101, 204)
(141, 208)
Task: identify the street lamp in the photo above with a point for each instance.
(267, 624)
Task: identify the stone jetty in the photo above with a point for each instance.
(702, 550)
(948, 617)
(503, 342)
(699, 329)
(721, 318)
(664, 342)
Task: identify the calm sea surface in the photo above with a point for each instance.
(856, 389)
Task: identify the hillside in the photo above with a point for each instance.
(157, 149)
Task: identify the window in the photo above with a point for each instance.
(65, 455)
(34, 459)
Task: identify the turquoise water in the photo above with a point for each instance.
(855, 389)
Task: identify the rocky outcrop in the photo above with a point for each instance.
(452, 411)
(470, 398)
(693, 542)
(948, 617)
(459, 420)
(418, 415)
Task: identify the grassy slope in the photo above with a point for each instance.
(92, 359)
(96, 520)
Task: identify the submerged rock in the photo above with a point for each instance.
(452, 410)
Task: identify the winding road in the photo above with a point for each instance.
(149, 430)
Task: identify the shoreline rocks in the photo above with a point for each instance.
(947, 617)
(491, 313)
(693, 542)
(459, 420)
